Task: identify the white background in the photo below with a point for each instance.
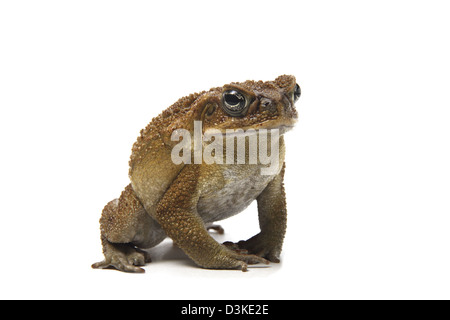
(368, 174)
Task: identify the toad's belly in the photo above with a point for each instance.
(239, 190)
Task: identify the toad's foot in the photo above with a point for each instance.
(123, 257)
(257, 245)
(233, 259)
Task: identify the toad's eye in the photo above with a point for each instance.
(234, 103)
(297, 92)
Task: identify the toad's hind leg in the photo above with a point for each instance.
(125, 226)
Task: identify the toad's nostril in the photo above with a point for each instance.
(266, 104)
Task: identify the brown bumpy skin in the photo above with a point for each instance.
(182, 200)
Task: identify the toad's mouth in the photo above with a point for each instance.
(282, 128)
(240, 132)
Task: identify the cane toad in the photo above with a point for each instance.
(167, 198)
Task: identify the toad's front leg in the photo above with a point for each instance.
(177, 215)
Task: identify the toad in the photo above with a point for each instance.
(180, 199)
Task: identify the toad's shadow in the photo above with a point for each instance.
(166, 251)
